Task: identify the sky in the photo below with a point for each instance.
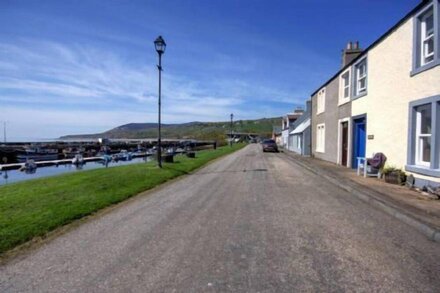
(70, 67)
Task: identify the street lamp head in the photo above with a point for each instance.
(160, 45)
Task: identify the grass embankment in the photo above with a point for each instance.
(33, 208)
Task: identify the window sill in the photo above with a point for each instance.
(319, 112)
(423, 170)
(425, 67)
(359, 96)
(319, 151)
(343, 101)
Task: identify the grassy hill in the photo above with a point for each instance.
(196, 130)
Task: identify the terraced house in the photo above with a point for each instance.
(386, 99)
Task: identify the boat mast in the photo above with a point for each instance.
(4, 131)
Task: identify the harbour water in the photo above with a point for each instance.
(8, 177)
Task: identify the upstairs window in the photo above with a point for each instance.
(427, 37)
(320, 101)
(426, 50)
(360, 87)
(344, 87)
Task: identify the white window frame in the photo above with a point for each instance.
(425, 37)
(342, 86)
(359, 77)
(419, 142)
(320, 138)
(413, 162)
(320, 101)
(339, 158)
(422, 59)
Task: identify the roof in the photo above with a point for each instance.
(293, 115)
(380, 39)
(302, 118)
(301, 127)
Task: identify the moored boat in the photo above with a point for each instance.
(37, 154)
(29, 167)
(78, 160)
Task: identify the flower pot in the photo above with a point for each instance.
(395, 178)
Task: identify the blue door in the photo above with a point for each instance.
(359, 140)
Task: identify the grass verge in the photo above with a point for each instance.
(35, 207)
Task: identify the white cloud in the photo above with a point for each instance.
(48, 89)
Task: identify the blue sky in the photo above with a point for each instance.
(86, 66)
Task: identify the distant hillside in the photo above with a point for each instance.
(196, 130)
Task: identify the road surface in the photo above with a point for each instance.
(250, 222)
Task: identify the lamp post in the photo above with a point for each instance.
(232, 117)
(160, 45)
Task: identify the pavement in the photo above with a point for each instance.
(408, 205)
(249, 222)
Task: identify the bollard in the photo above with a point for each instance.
(168, 158)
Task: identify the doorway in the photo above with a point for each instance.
(359, 139)
(344, 143)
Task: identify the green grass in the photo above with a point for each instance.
(35, 207)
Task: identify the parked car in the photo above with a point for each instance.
(269, 145)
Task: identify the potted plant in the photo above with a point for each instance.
(394, 175)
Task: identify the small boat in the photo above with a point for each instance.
(106, 159)
(124, 155)
(29, 167)
(179, 150)
(71, 152)
(78, 160)
(37, 154)
(105, 150)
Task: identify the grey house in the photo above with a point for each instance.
(300, 133)
(331, 114)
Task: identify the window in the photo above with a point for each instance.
(320, 138)
(427, 37)
(360, 73)
(320, 101)
(424, 137)
(344, 86)
(426, 50)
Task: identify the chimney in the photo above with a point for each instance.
(308, 106)
(350, 52)
(298, 109)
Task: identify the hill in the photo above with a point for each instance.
(196, 130)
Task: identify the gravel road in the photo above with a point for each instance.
(250, 222)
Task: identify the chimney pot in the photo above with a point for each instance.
(351, 52)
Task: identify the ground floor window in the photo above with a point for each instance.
(424, 136)
(320, 138)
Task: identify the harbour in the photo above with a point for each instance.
(29, 160)
(19, 152)
(8, 176)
